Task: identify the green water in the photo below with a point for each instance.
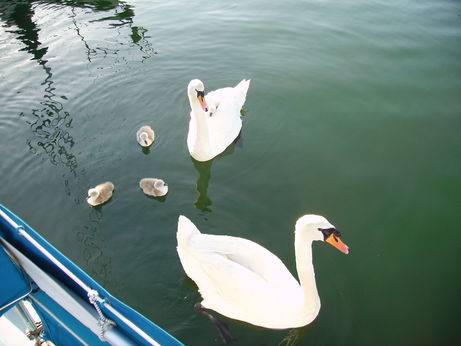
(354, 113)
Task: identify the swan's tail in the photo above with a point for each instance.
(186, 229)
(242, 88)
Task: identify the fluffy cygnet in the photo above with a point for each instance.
(145, 136)
(153, 187)
(100, 193)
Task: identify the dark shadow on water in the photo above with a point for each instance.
(203, 202)
(160, 199)
(238, 142)
(145, 150)
(189, 284)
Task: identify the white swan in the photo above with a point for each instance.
(244, 281)
(215, 118)
(145, 136)
(100, 193)
(153, 187)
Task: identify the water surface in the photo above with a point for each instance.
(353, 113)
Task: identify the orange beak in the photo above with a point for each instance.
(337, 243)
(202, 101)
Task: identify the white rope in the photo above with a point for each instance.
(103, 322)
(93, 295)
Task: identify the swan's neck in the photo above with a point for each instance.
(202, 140)
(305, 268)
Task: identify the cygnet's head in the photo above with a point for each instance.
(160, 188)
(159, 184)
(93, 193)
(196, 90)
(318, 228)
(143, 136)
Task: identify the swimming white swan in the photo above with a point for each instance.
(145, 136)
(100, 193)
(153, 187)
(215, 118)
(244, 281)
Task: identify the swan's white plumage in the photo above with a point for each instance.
(242, 280)
(212, 131)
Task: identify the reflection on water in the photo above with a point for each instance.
(145, 150)
(160, 199)
(95, 258)
(239, 140)
(121, 17)
(50, 122)
(203, 202)
(19, 14)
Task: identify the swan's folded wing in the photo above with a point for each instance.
(245, 254)
(215, 97)
(241, 91)
(228, 100)
(239, 278)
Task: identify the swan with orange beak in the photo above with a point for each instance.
(215, 119)
(240, 279)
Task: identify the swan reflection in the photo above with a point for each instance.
(203, 202)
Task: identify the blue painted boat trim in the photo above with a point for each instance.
(11, 234)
